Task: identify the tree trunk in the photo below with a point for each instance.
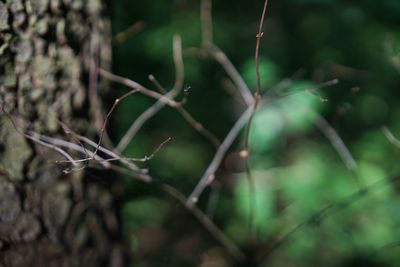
(49, 54)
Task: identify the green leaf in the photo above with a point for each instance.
(298, 109)
(267, 126)
(269, 73)
(263, 204)
(293, 113)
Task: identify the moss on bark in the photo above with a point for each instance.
(47, 52)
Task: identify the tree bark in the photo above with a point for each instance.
(49, 54)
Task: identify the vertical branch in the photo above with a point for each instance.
(178, 62)
(253, 200)
(259, 36)
(206, 22)
(108, 116)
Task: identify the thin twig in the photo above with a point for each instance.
(150, 112)
(189, 118)
(68, 131)
(129, 164)
(129, 32)
(206, 22)
(259, 36)
(157, 84)
(218, 54)
(140, 176)
(390, 136)
(209, 175)
(119, 158)
(199, 127)
(38, 140)
(140, 88)
(92, 156)
(62, 143)
(205, 221)
(337, 143)
(96, 108)
(133, 169)
(334, 138)
(230, 88)
(252, 202)
(116, 102)
(178, 63)
(392, 56)
(232, 72)
(138, 123)
(198, 214)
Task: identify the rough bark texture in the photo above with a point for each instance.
(47, 218)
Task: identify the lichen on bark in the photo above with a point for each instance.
(48, 218)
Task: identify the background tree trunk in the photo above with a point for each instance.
(49, 54)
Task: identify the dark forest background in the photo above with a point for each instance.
(296, 170)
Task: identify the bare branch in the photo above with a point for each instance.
(336, 141)
(205, 221)
(390, 54)
(140, 88)
(119, 158)
(230, 69)
(199, 127)
(70, 159)
(258, 41)
(389, 135)
(178, 62)
(198, 214)
(131, 166)
(157, 84)
(230, 88)
(218, 54)
(150, 112)
(96, 107)
(129, 32)
(209, 175)
(206, 22)
(116, 102)
(145, 158)
(138, 123)
(252, 202)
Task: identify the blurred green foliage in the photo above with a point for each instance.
(296, 170)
